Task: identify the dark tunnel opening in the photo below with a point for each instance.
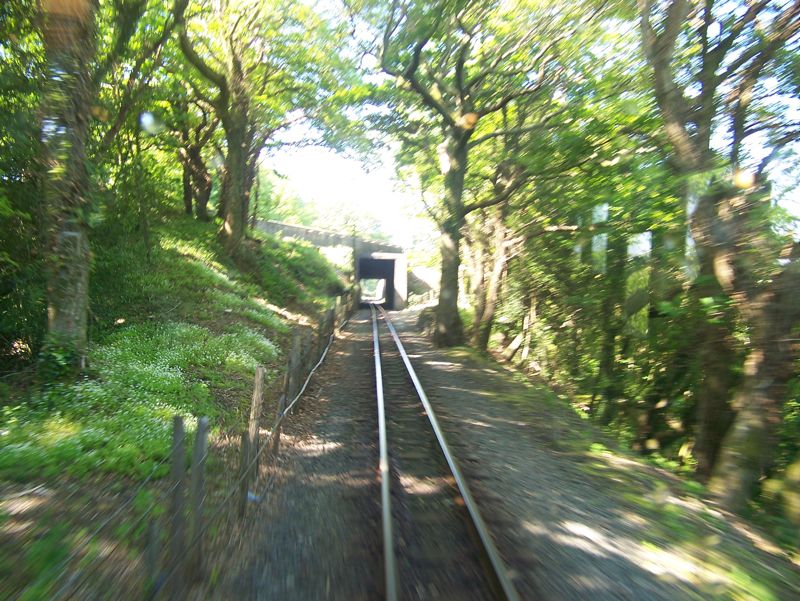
(379, 269)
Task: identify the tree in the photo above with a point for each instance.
(710, 71)
(461, 63)
(269, 65)
(490, 236)
(141, 33)
(69, 45)
(229, 76)
(71, 97)
(195, 127)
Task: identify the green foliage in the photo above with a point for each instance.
(789, 446)
(555, 92)
(22, 316)
(187, 276)
(120, 419)
(291, 272)
(56, 360)
(178, 333)
(278, 202)
(143, 190)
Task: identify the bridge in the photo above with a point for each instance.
(376, 265)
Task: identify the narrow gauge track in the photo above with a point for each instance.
(436, 544)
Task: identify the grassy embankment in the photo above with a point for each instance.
(178, 330)
(178, 333)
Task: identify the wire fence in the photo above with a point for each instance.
(170, 545)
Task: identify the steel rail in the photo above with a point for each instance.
(389, 561)
(499, 572)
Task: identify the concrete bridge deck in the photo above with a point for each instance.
(371, 259)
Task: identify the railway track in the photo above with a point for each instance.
(435, 541)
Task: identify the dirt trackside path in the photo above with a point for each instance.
(317, 535)
(573, 519)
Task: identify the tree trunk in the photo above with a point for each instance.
(527, 327)
(771, 312)
(68, 294)
(254, 212)
(234, 225)
(187, 182)
(477, 278)
(484, 331)
(748, 450)
(609, 377)
(234, 197)
(449, 328)
(224, 194)
(714, 343)
(511, 350)
(250, 178)
(712, 393)
(668, 344)
(201, 181)
(69, 43)
(735, 246)
(483, 327)
(203, 185)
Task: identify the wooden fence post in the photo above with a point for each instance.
(319, 340)
(244, 461)
(255, 415)
(294, 363)
(177, 546)
(286, 382)
(337, 310)
(198, 478)
(330, 324)
(311, 350)
(277, 434)
(303, 354)
(344, 311)
(308, 352)
(151, 552)
(304, 344)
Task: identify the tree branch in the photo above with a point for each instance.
(410, 75)
(216, 78)
(783, 28)
(519, 130)
(781, 32)
(497, 199)
(776, 148)
(659, 50)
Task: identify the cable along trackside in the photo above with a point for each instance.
(493, 563)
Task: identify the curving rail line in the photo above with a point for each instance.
(495, 569)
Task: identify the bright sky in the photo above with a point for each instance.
(332, 181)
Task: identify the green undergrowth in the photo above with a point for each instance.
(178, 330)
(290, 271)
(769, 512)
